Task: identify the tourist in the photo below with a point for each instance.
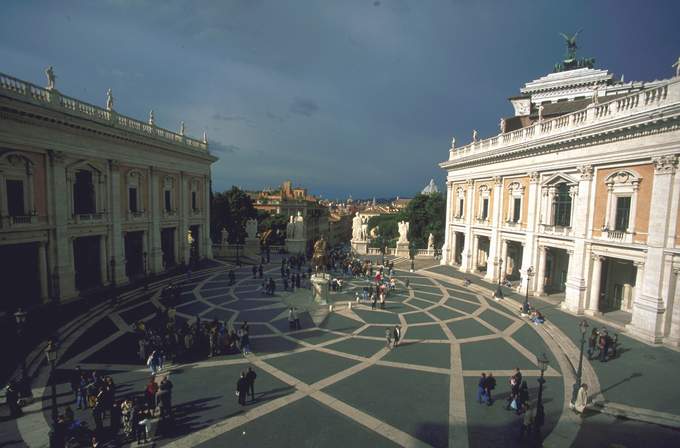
(165, 397)
(603, 345)
(250, 378)
(489, 386)
(150, 392)
(232, 277)
(144, 428)
(523, 396)
(515, 382)
(245, 341)
(12, 400)
(374, 299)
(291, 319)
(242, 389)
(592, 343)
(527, 421)
(388, 336)
(396, 335)
(613, 346)
(296, 318)
(254, 270)
(482, 397)
(581, 399)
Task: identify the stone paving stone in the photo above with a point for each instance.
(304, 423)
(416, 318)
(494, 354)
(425, 332)
(243, 305)
(432, 355)
(375, 331)
(219, 314)
(444, 313)
(499, 321)
(220, 292)
(389, 395)
(397, 307)
(375, 317)
(137, 313)
(427, 289)
(463, 306)
(311, 366)
(359, 347)
(421, 303)
(274, 344)
(122, 350)
(468, 328)
(337, 322)
(526, 336)
(315, 336)
(462, 294)
(258, 315)
(493, 426)
(100, 330)
(193, 308)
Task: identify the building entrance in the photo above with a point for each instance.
(168, 247)
(460, 244)
(134, 254)
(87, 261)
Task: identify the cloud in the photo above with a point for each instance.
(216, 146)
(304, 106)
(273, 116)
(219, 116)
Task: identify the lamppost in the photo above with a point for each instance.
(20, 318)
(525, 307)
(543, 362)
(51, 354)
(583, 327)
(499, 292)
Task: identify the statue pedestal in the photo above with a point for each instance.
(296, 246)
(402, 250)
(360, 247)
(320, 288)
(251, 248)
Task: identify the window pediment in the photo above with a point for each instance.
(559, 178)
(623, 177)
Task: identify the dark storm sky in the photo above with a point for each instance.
(346, 96)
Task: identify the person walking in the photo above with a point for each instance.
(489, 386)
(260, 270)
(523, 397)
(481, 389)
(250, 377)
(592, 343)
(254, 270)
(388, 336)
(396, 335)
(602, 343)
(242, 389)
(291, 319)
(526, 421)
(296, 319)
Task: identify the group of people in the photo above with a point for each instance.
(601, 346)
(393, 335)
(245, 384)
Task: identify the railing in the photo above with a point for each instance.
(616, 235)
(555, 230)
(55, 100)
(81, 218)
(21, 220)
(629, 105)
(169, 213)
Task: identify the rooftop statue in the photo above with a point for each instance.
(502, 125)
(109, 100)
(676, 65)
(570, 62)
(571, 45)
(152, 120)
(51, 78)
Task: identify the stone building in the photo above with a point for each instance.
(90, 198)
(577, 195)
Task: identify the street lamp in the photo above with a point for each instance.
(525, 307)
(51, 354)
(499, 292)
(543, 362)
(583, 327)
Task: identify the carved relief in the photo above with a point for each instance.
(664, 164)
(585, 172)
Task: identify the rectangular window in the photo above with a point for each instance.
(622, 213)
(15, 198)
(168, 201)
(83, 193)
(516, 209)
(485, 208)
(132, 199)
(460, 207)
(193, 201)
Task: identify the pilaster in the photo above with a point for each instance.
(156, 254)
(63, 275)
(117, 261)
(466, 255)
(446, 247)
(528, 248)
(492, 269)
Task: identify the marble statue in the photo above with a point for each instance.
(109, 100)
(152, 120)
(453, 142)
(356, 227)
(319, 259)
(474, 135)
(374, 232)
(181, 128)
(205, 137)
(403, 231)
(502, 125)
(51, 78)
(430, 242)
(364, 228)
(225, 236)
(540, 113)
(676, 65)
(290, 228)
(596, 95)
(299, 228)
(251, 228)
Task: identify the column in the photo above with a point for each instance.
(183, 210)
(117, 262)
(146, 250)
(540, 274)
(528, 252)
(494, 239)
(59, 210)
(595, 277)
(577, 273)
(446, 248)
(639, 278)
(454, 245)
(650, 306)
(504, 258)
(475, 254)
(42, 272)
(155, 253)
(466, 256)
(103, 260)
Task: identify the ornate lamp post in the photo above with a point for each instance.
(51, 354)
(540, 413)
(583, 327)
(499, 292)
(525, 307)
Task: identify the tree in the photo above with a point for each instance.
(426, 214)
(276, 224)
(231, 209)
(387, 232)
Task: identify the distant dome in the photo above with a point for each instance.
(430, 188)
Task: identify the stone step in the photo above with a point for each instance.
(638, 414)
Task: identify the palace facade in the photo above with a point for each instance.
(90, 198)
(577, 195)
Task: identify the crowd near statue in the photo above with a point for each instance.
(403, 231)
(251, 228)
(51, 78)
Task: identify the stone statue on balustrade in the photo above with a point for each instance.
(320, 257)
(677, 67)
(51, 78)
(403, 232)
(364, 228)
(224, 237)
(374, 232)
(109, 100)
(152, 120)
(290, 228)
(502, 125)
(474, 135)
(356, 227)
(251, 228)
(430, 242)
(181, 128)
(453, 142)
(540, 113)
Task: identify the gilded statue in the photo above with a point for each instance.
(319, 259)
